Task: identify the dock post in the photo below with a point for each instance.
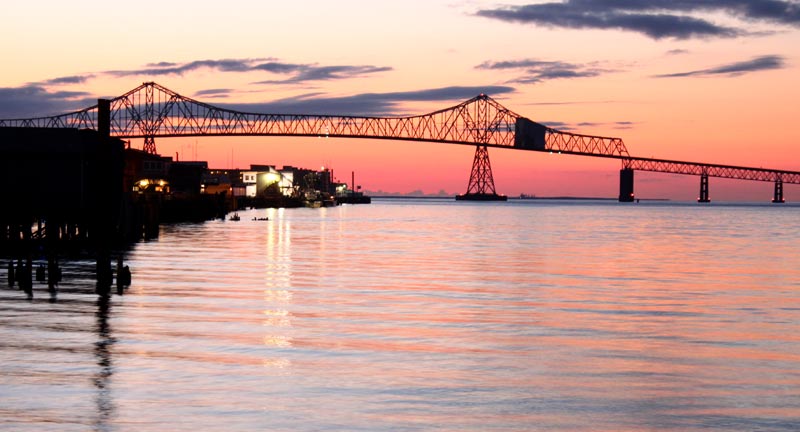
(103, 270)
(25, 277)
(120, 279)
(52, 238)
(19, 274)
(27, 282)
(53, 272)
(626, 185)
(11, 273)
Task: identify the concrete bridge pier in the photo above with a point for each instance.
(704, 189)
(626, 185)
(777, 197)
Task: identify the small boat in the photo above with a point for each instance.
(260, 218)
(235, 217)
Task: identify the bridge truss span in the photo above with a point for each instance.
(711, 170)
(151, 111)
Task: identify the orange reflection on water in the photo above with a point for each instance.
(431, 316)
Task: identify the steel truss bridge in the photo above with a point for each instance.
(152, 111)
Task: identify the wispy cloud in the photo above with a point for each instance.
(170, 68)
(768, 62)
(678, 51)
(297, 72)
(678, 19)
(278, 67)
(613, 125)
(214, 93)
(560, 125)
(73, 79)
(41, 98)
(34, 100)
(291, 72)
(585, 127)
(536, 71)
(304, 73)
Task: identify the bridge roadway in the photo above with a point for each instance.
(150, 111)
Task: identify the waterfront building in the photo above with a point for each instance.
(146, 172)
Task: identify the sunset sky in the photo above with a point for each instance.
(709, 81)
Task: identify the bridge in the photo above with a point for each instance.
(152, 111)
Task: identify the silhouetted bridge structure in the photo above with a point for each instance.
(151, 111)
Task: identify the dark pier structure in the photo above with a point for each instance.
(63, 197)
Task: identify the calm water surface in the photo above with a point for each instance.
(425, 315)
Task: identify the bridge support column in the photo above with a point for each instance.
(481, 181)
(626, 185)
(777, 198)
(149, 145)
(703, 189)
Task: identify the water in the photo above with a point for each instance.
(425, 315)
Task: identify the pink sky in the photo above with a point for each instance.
(675, 80)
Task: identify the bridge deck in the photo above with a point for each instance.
(711, 170)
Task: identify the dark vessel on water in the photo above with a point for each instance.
(352, 195)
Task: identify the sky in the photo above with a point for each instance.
(711, 81)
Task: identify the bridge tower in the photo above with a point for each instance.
(481, 181)
(149, 145)
(480, 118)
(152, 118)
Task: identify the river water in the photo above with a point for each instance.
(414, 315)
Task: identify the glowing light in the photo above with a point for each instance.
(272, 177)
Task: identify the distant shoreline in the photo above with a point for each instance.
(562, 198)
(583, 198)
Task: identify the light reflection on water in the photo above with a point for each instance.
(405, 315)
